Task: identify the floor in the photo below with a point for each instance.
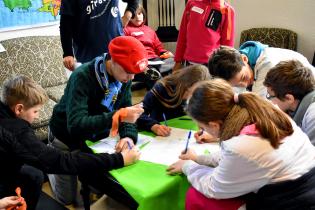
(104, 203)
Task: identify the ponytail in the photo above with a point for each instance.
(214, 101)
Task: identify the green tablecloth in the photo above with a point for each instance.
(149, 184)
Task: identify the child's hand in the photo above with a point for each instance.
(189, 155)
(204, 137)
(167, 55)
(126, 18)
(130, 155)
(68, 62)
(161, 130)
(133, 114)
(176, 167)
(177, 66)
(122, 144)
(10, 201)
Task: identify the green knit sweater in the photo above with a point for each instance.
(80, 115)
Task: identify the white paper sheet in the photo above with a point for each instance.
(107, 145)
(165, 150)
(162, 150)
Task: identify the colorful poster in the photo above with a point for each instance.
(28, 13)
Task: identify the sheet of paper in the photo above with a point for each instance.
(107, 145)
(165, 150)
(162, 150)
(155, 62)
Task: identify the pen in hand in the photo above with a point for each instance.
(164, 118)
(129, 145)
(187, 142)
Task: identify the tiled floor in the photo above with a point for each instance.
(104, 203)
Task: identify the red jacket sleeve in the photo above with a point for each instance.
(229, 22)
(181, 40)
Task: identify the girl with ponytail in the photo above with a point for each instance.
(262, 154)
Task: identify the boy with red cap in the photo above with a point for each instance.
(94, 93)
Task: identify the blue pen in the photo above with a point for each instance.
(164, 119)
(129, 146)
(187, 142)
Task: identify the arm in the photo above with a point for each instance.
(181, 41)
(66, 23)
(233, 177)
(226, 31)
(130, 12)
(145, 122)
(66, 34)
(127, 129)
(34, 152)
(308, 123)
(158, 46)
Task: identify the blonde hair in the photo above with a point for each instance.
(21, 89)
(179, 82)
(214, 101)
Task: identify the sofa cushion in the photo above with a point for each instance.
(56, 92)
(38, 57)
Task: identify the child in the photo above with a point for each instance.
(291, 86)
(248, 66)
(204, 27)
(147, 36)
(264, 154)
(22, 99)
(96, 93)
(168, 97)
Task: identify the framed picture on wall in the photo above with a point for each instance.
(19, 14)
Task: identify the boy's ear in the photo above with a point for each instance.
(289, 98)
(244, 58)
(17, 109)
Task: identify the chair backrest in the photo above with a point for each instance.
(274, 37)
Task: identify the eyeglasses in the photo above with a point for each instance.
(269, 97)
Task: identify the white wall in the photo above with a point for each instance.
(296, 15)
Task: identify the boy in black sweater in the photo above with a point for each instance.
(21, 101)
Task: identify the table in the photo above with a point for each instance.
(147, 184)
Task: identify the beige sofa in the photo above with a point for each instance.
(40, 58)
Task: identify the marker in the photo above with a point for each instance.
(187, 142)
(164, 119)
(129, 146)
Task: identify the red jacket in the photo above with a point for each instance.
(196, 42)
(147, 37)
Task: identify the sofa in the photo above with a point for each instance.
(40, 58)
(274, 37)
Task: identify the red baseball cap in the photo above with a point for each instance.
(129, 53)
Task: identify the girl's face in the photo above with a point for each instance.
(211, 127)
(138, 19)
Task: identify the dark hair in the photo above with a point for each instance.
(225, 62)
(290, 77)
(177, 84)
(213, 100)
